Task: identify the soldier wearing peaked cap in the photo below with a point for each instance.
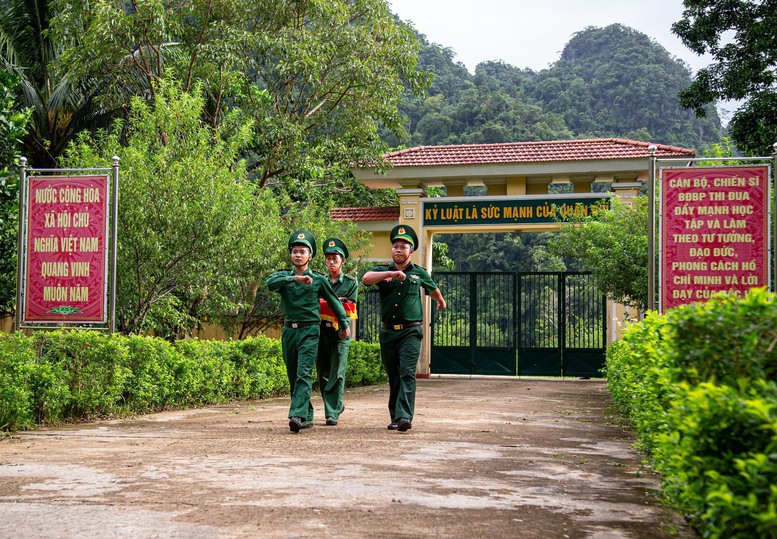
(400, 285)
(300, 290)
(333, 351)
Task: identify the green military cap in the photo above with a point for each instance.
(404, 232)
(303, 237)
(335, 245)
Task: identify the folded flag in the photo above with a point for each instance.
(328, 316)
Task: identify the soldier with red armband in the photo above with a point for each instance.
(333, 351)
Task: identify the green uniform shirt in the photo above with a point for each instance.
(400, 301)
(345, 287)
(300, 301)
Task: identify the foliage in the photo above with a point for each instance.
(739, 35)
(697, 383)
(639, 377)
(94, 369)
(719, 459)
(510, 251)
(13, 123)
(364, 366)
(61, 105)
(745, 343)
(319, 77)
(462, 109)
(613, 245)
(15, 392)
(440, 259)
(602, 86)
(189, 229)
(57, 376)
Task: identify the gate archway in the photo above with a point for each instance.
(517, 177)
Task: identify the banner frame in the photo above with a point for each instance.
(684, 162)
(112, 187)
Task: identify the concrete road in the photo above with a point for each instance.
(486, 457)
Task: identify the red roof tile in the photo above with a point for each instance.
(530, 152)
(365, 213)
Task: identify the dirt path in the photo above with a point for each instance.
(485, 458)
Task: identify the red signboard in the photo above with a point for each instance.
(66, 254)
(714, 232)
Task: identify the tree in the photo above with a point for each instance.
(61, 106)
(191, 225)
(613, 245)
(13, 123)
(319, 77)
(744, 68)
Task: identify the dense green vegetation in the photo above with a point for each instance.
(58, 376)
(609, 82)
(739, 35)
(613, 245)
(698, 385)
(13, 122)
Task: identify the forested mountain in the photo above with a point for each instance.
(609, 82)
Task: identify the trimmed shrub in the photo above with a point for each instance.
(16, 395)
(95, 366)
(61, 375)
(719, 459)
(364, 365)
(698, 385)
(725, 339)
(639, 378)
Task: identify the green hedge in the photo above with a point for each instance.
(699, 385)
(54, 376)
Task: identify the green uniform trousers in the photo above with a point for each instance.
(399, 351)
(330, 367)
(299, 353)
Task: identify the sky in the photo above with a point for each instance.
(533, 33)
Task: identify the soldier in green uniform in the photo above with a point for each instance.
(333, 351)
(300, 290)
(400, 286)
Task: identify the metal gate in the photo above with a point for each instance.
(525, 323)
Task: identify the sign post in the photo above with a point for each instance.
(714, 231)
(523, 210)
(67, 248)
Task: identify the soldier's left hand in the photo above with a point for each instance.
(345, 333)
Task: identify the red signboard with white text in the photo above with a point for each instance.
(66, 249)
(714, 232)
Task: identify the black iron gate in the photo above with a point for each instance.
(541, 324)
